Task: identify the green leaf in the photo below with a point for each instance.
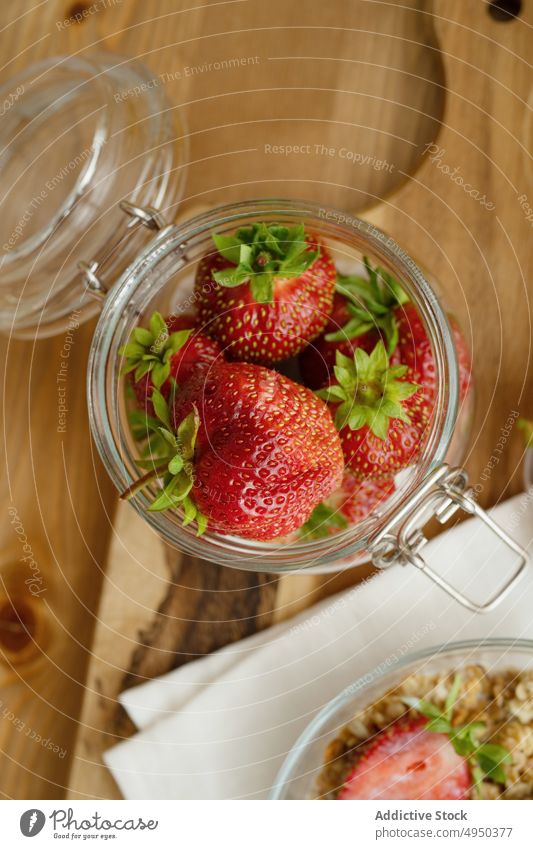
(201, 523)
(351, 330)
(165, 501)
(342, 415)
(189, 509)
(322, 520)
(451, 698)
(182, 486)
(176, 464)
(262, 288)
(378, 358)
(160, 373)
(372, 299)
(231, 277)
(379, 425)
(157, 326)
(332, 393)
(187, 432)
(229, 247)
(143, 368)
(177, 340)
(356, 419)
(133, 351)
(426, 708)
(161, 408)
(143, 336)
(345, 377)
(169, 438)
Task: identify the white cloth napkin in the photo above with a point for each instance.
(221, 726)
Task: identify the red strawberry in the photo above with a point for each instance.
(416, 352)
(318, 359)
(363, 313)
(169, 348)
(381, 417)
(359, 498)
(409, 762)
(263, 451)
(266, 292)
(353, 502)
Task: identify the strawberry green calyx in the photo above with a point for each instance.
(173, 464)
(368, 391)
(151, 349)
(370, 302)
(261, 253)
(322, 521)
(486, 760)
(527, 429)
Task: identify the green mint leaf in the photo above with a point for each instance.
(452, 696)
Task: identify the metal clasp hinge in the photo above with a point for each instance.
(443, 493)
(144, 216)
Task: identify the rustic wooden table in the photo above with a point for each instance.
(383, 79)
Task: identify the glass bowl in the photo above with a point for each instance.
(298, 776)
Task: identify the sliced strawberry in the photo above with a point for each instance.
(265, 292)
(409, 762)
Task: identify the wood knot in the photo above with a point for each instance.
(19, 629)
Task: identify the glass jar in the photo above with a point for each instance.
(161, 279)
(69, 261)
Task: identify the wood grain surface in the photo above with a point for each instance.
(381, 79)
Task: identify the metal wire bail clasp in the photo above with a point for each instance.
(441, 495)
(144, 216)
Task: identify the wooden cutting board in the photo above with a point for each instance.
(413, 114)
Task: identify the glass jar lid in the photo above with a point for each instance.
(78, 135)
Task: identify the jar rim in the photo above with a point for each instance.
(103, 396)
